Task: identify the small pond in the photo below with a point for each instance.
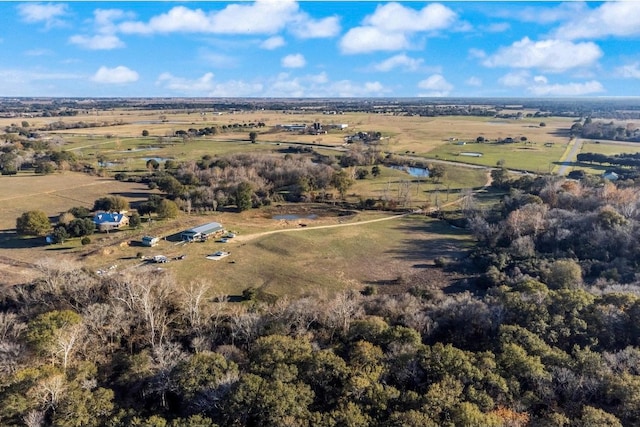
(291, 217)
(413, 171)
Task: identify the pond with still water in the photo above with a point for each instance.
(413, 171)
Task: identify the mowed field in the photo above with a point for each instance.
(303, 260)
(57, 193)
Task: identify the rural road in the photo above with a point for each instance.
(247, 237)
(570, 157)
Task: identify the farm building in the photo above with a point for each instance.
(150, 241)
(212, 229)
(106, 221)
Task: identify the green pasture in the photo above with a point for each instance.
(392, 183)
(131, 154)
(535, 157)
(321, 260)
(609, 147)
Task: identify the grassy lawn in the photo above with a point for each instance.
(534, 157)
(609, 147)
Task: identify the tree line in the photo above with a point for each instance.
(140, 349)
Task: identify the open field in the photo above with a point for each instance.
(285, 263)
(609, 147)
(534, 157)
(57, 193)
(402, 133)
(307, 261)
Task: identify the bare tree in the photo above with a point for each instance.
(49, 392)
(342, 310)
(34, 419)
(66, 341)
(147, 297)
(191, 301)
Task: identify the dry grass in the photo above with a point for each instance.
(57, 193)
(288, 263)
(306, 261)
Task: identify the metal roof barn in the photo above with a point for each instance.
(202, 231)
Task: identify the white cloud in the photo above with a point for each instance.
(217, 59)
(38, 52)
(104, 18)
(117, 75)
(549, 55)
(319, 85)
(515, 79)
(307, 28)
(293, 61)
(545, 15)
(399, 61)
(201, 85)
(474, 81)
(370, 39)
(616, 18)
(391, 26)
(436, 84)
(396, 17)
(629, 71)
(97, 42)
(273, 43)
(24, 82)
(350, 89)
(542, 88)
(283, 85)
(539, 85)
(50, 14)
(477, 53)
(260, 17)
(236, 88)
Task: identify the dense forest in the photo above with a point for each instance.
(546, 335)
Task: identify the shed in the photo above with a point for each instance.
(150, 241)
(202, 232)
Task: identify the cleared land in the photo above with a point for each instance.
(390, 253)
(295, 263)
(57, 193)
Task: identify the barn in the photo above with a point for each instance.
(202, 232)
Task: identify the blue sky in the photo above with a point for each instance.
(282, 48)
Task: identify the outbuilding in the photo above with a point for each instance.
(150, 241)
(212, 229)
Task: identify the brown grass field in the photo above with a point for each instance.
(301, 261)
(57, 193)
(389, 253)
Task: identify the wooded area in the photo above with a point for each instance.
(549, 338)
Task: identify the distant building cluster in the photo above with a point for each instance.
(316, 128)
